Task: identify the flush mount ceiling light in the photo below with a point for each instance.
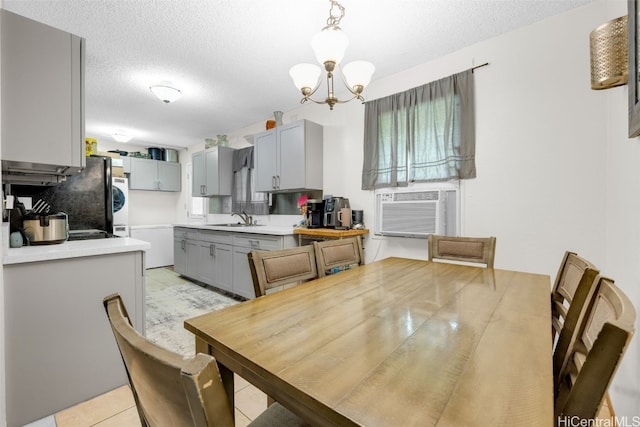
(121, 136)
(329, 46)
(165, 91)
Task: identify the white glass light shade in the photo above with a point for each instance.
(121, 136)
(330, 44)
(305, 75)
(165, 92)
(358, 73)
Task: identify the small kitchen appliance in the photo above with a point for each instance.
(344, 217)
(315, 213)
(46, 229)
(332, 206)
(357, 219)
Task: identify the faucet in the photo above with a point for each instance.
(247, 219)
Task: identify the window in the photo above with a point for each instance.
(425, 134)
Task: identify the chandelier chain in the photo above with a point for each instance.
(333, 21)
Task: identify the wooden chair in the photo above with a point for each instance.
(340, 254)
(270, 269)
(479, 250)
(576, 283)
(170, 390)
(573, 269)
(603, 338)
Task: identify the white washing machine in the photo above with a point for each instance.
(120, 191)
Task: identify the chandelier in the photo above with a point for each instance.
(329, 46)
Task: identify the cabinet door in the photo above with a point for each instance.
(42, 93)
(169, 176)
(223, 255)
(291, 156)
(266, 160)
(144, 174)
(199, 174)
(212, 183)
(180, 256)
(242, 281)
(193, 258)
(207, 263)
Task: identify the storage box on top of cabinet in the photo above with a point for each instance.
(42, 99)
(289, 157)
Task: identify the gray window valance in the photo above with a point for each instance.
(423, 134)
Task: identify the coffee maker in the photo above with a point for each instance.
(315, 213)
(332, 206)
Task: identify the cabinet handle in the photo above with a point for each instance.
(212, 249)
(273, 182)
(204, 189)
(183, 245)
(278, 181)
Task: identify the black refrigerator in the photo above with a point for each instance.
(86, 198)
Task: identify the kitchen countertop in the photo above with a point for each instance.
(331, 232)
(74, 249)
(276, 230)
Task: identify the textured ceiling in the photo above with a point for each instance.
(231, 58)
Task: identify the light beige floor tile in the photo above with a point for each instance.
(239, 383)
(128, 418)
(95, 410)
(241, 419)
(251, 402)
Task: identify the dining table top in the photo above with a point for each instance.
(397, 342)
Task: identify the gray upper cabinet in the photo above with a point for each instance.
(154, 175)
(42, 98)
(213, 172)
(289, 157)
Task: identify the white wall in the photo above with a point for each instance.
(556, 170)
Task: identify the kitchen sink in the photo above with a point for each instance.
(237, 224)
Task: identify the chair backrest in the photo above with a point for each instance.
(168, 389)
(572, 270)
(270, 269)
(576, 283)
(604, 335)
(338, 254)
(479, 250)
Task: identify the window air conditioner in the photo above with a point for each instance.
(417, 213)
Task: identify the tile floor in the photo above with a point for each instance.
(117, 408)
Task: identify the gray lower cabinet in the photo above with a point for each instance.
(219, 258)
(185, 252)
(215, 259)
(154, 175)
(242, 280)
(59, 347)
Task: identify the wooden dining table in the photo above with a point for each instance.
(397, 342)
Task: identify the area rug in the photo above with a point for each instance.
(169, 305)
